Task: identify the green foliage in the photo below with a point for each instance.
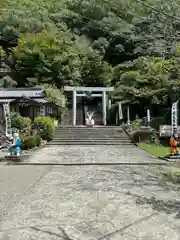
(96, 72)
(38, 140)
(82, 42)
(136, 124)
(20, 122)
(29, 142)
(148, 136)
(46, 127)
(147, 80)
(1, 52)
(56, 96)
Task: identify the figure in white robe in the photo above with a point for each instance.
(89, 119)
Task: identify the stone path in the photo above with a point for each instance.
(93, 202)
(91, 154)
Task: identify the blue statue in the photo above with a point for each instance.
(15, 148)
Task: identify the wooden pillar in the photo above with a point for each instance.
(104, 102)
(74, 107)
(128, 115)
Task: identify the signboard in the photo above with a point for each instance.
(174, 115)
(120, 110)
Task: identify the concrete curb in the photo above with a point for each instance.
(161, 158)
(166, 159)
(133, 143)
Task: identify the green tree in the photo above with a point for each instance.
(56, 96)
(82, 42)
(95, 71)
(147, 80)
(47, 57)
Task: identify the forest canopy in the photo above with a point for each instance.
(132, 45)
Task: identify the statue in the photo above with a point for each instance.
(89, 119)
(15, 148)
(174, 141)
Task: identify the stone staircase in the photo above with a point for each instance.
(81, 135)
(68, 116)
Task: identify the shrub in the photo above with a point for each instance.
(20, 122)
(136, 124)
(45, 127)
(29, 142)
(38, 140)
(148, 136)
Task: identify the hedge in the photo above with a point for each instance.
(30, 142)
(45, 127)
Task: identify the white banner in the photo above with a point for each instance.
(148, 115)
(120, 110)
(42, 110)
(174, 115)
(7, 119)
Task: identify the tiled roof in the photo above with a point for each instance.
(21, 92)
(40, 100)
(6, 100)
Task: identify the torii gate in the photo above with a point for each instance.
(103, 94)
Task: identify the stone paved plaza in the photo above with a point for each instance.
(91, 154)
(115, 202)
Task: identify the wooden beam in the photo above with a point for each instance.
(92, 95)
(88, 89)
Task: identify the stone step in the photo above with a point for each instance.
(101, 135)
(93, 139)
(88, 128)
(85, 127)
(90, 136)
(90, 131)
(89, 143)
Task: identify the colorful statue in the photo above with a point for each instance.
(89, 119)
(15, 149)
(174, 141)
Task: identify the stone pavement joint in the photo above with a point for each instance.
(127, 226)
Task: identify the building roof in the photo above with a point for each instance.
(24, 98)
(22, 92)
(9, 100)
(2, 100)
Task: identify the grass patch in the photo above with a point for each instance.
(157, 150)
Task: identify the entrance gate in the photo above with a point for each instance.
(88, 91)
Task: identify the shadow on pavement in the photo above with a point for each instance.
(168, 207)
